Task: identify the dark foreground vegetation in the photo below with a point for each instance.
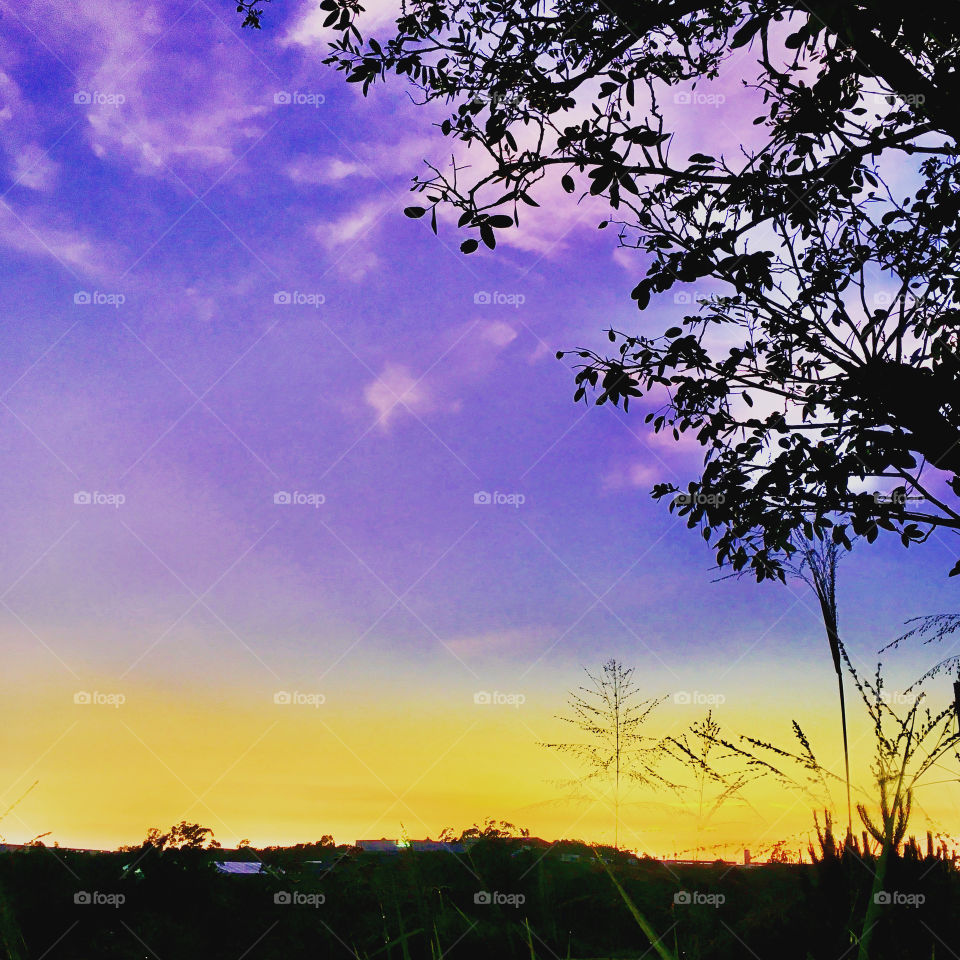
(498, 898)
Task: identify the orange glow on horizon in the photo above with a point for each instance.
(279, 774)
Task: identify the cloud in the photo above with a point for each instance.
(150, 92)
(30, 166)
(396, 390)
(627, 258)
(33, 168)
(154, 140)
(470, 351)
(324, 170)
(308, 30)
(32, 231)
(349, 237)
(637, 475)
(498, 333)
(562, 221)
(25, 232)
(353, 226)
(548, 231)
(385, 160)
(662, 460)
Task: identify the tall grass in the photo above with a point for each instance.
(648, 931)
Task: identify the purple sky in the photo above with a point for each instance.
(196, 201)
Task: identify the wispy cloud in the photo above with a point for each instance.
(510, 640)
(26, 232)
(308, 29)
(149, 99)
(395, 391)
(30, 165)
(324, 171)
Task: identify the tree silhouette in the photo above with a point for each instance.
(181, 836)
(611, 715)
(491, 829)
(828, 355)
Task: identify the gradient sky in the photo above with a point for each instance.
(147, 167)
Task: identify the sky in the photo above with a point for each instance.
(303, 532)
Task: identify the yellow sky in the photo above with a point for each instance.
(366, 764)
